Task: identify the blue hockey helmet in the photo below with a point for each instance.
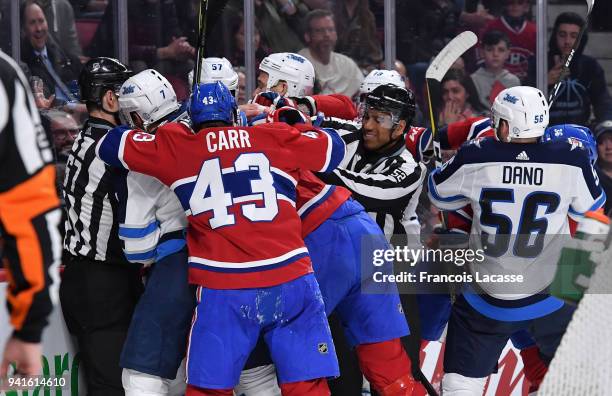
(572, 131)
(212, 102)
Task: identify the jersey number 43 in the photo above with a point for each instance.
(209, 192)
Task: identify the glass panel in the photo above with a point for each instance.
(5, 26)
(54, 45)
(96, 27)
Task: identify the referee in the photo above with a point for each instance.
(100, 288)
(384, 177)
(29, 218)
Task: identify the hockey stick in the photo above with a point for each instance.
(570, 56)
(201, 42)
(436, 71)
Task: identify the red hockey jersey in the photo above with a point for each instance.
(522, 44)
(238, 188)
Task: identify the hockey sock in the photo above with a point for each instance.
(195, 391)
(387, 367)
(534, 367)
(315, 387)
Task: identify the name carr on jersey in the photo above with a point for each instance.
(227, 139)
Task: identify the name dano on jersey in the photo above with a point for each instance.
(225, 140)
(522, 175)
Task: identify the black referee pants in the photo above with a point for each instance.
(98, 300)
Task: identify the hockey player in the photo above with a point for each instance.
(260, 284)
(481, 324)
(434, 315)
(289, 80)
(378, 348)
(151, 226)
(220, 69)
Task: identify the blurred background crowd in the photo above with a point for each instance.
(344, 39)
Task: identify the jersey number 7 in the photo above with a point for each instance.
(528, 223)
(209, 192)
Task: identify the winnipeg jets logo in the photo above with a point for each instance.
(296, 58)
(511, 99)
(128, 90)
(558, 132)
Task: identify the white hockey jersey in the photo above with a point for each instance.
(521, 195)
(152, 219)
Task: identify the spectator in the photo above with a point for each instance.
(603, 135)
(60, 18)
(241, 98)
(280, 22)
(584, 86)
(459, 98)
(235, 52)
(357, 32)
(45, 58)
(157, 42)
(474, 17)
(63, 129)
(520, 31)
(336, 73)
(424, 27)
(401, 69)
(492, 77)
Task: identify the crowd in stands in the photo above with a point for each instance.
(344, 40)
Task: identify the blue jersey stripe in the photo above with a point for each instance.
(337, 151)
(169, 247)
(319, 201)
(239, 185)
(531, 311)
(135, 232)
(432, 190)
(108, 147)
(148, 255)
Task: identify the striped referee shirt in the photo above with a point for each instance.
(91, 204)
(29, 213)
(387, 184)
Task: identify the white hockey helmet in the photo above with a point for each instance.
(217, 69)
(149, 95)
(524, 108)
(379, 77)
(296, 70)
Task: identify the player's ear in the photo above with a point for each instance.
(283, 88)
(307, 37)
(399, 129)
